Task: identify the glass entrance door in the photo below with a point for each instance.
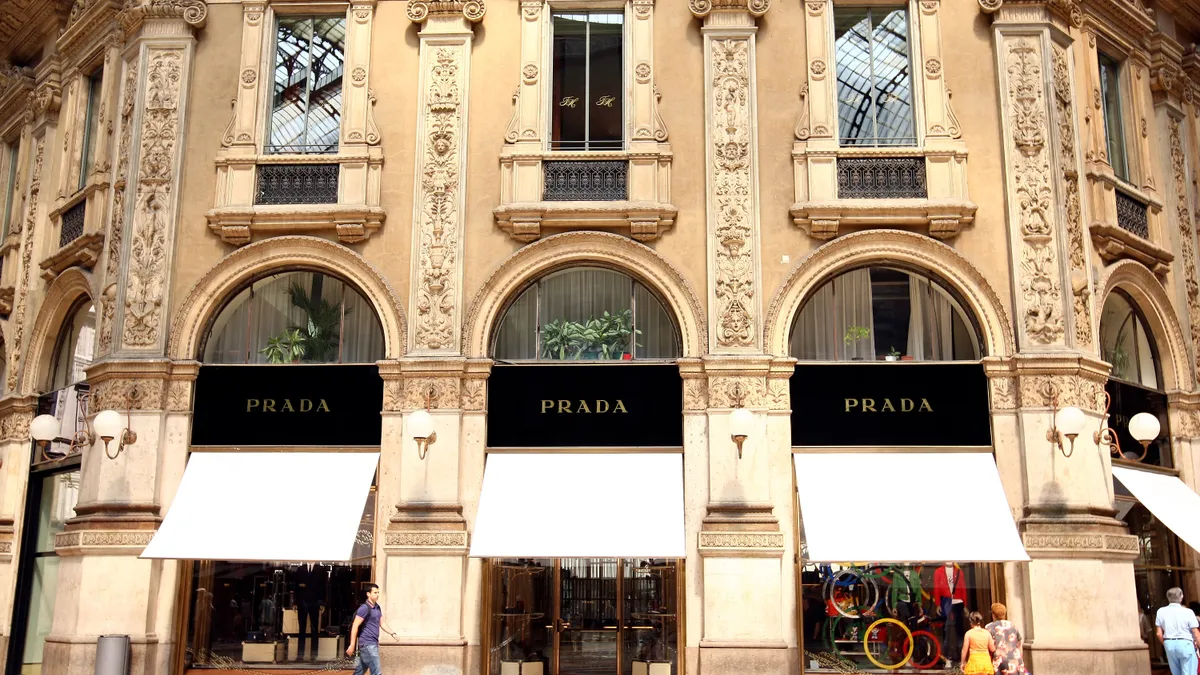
(583, 616)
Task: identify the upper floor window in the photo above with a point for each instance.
(587, 314)
(306, 105)
(91, 127)
(11, 151)
(884, 314)
(296, 317)
(75, 349)
(874, 77)
(588, 95)
(1114, 129)
(1126, 343)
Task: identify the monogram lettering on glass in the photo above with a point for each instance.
(606, 101)
(286, 405)
(565, 406)
(568, 101)
(906, 405)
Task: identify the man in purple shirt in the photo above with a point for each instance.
(364, 634)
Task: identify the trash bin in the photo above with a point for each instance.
(112, 655)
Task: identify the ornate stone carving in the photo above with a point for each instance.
(471, 10)
(474, 395)
(193, 12)
(695, 394)
(15, 426)
(1077, 252)
(179, 396)
(1187, 235)
(17, 334)
(642, 72)
(746, 391)
(933, 67)
(152, 218)
(530, 73)
(802, 132)
(123, 393)
(116, 228)
(1039, 280)
(1004, 393)
(953, 128)
(741, 539)
(426, 539)
(435, 392)
(439, 214)
(732, 198)
(1041, 391)
(88, 538)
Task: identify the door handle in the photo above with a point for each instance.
(560, 625)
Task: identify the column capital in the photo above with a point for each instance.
(472, 10)
(193, 12)
(702, 8)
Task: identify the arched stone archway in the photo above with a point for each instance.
(575, 248)
(1146, 291)
(64, 293)
(890, 246)
(249, 262)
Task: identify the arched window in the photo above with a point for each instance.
(587, 313)
(75, 348)
(884, 314)
(1126, 343)
(296, 317)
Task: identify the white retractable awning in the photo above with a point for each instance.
(283, 506)
(581, 505)
(905, 507)
(1168, 498)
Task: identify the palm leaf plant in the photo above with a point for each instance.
(287, 347)
(321, 329)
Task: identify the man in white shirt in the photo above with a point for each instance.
(1179, 633)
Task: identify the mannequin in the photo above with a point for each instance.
(310, 600)
(950, 598)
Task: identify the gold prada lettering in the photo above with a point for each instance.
(286, 405)
(565, 406)
(888, 405)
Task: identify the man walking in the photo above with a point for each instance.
(1179, 633)
(364, 634)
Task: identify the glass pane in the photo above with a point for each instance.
(517, 338)
(570, 96)
(75, 349)
(1157, 551)
(289, 104)
(10, 189)
(1118, 329)
(889, 617)
(651, 597)
(586, 314)
(893, 80)
(588, 610)
(296, 317)
(856, 114)
(60, 493)
(656, 336)
(325, 100)
(1110, 89)
(607, 124)
(521, 615)
(1147, 374)
(92, 129)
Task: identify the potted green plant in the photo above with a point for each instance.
(558, 338)
(287, 347)
(322, 325)
(853, 335)
(893, 355)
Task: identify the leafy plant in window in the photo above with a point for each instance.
(893, 355)
(322, 329)
(604, 337)
(287, 347)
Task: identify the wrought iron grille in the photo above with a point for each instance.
(881, 178)
(587, 180)
(72, 223)
(297, 184)
(1131, 216)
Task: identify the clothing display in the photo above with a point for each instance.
(950, 597)
(311, 580)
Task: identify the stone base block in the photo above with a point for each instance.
(1066, 662)
(434, 660)
(79, 658)
(740, 661)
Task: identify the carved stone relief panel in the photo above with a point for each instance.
(116, 228)
(1064, 114)
(16, 336)
(1183, 216)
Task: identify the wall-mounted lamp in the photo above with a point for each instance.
(741, 420)
(420, 425)
(1143, 426)
(1067, 422)
(107, 427)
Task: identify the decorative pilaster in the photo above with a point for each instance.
(116, 227)
(732, 159)
(441, 168)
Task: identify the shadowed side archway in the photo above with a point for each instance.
(1147, 293)
(62, 296)
(242, 266)
(577, 248)
(889, 246)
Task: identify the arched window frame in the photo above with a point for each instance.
(1139, 324)
(956, 301)
(535, 286)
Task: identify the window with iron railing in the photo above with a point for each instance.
(587, 180)
(874, 77)
(297, 184)
(881, 178)
(306, 105)
(72, 223)
(1133, 215)
(588, 93)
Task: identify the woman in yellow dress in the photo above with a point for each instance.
(978, 647)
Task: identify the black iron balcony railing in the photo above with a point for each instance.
(881, 178)
(586, 180)
(72, 223)
(1132, 215)
(297, 184)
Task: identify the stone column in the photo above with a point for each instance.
(1081, 554)
(102, 586)
(16, 412)
(425, 545)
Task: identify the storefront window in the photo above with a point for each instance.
(883, 314)
(588, 81)
(584, 616)
(262, 614)
(67, 398)
(587, 314)
(889, 617)
(296, 317)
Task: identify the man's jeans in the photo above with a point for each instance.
(1181, 656)
(368, 659)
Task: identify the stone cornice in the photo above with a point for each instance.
(1068, 10)
(92, 23)
(136, 12)
(1166, 65)
(702, 8)
(16, 84)
(1128, 20)
(471, 10)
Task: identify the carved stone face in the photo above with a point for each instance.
(441, 145)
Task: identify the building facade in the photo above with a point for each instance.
(638, 336)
